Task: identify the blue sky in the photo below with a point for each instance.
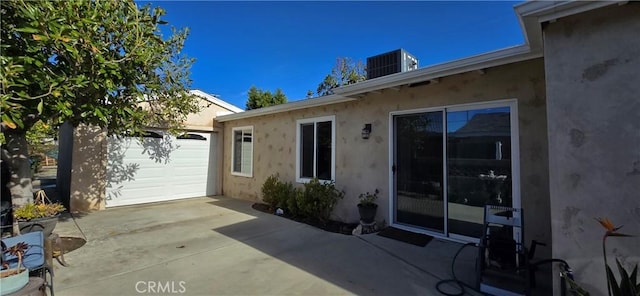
(293, 45)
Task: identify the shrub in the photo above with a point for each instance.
(279, 194)
(292, 202)
(270, 191)
(318, 199)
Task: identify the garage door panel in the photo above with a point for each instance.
(188, 171)
(182, 171)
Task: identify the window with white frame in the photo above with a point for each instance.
(242, 151)
(315, 149)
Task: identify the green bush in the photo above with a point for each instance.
(317, 200)
(292, 202)
(279, 194)
(270, 191)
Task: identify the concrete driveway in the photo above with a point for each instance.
(221, 246)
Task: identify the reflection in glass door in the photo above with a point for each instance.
(448, 164)
(478, 166)
(419, 170)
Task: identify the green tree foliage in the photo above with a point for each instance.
(344, 72)
(259, 98)
(102, 63)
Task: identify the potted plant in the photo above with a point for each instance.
(13, 279)
(41, 215)
(367, 206)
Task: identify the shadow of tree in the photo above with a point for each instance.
(159, 149)
(158, 146)
(117, 170)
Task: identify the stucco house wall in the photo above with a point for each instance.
(363, 165)
(592, 63)
(88, 169)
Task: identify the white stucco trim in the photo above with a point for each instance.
(216, 101)
(314, 120)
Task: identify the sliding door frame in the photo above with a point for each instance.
(515, 161)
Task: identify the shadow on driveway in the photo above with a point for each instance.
(221, 246)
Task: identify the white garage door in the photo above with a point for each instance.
(162, 167)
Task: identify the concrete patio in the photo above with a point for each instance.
(221, 246)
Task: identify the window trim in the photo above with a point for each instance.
(315, 120)
(233, 150)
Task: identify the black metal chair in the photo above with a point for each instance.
(6, 223)
(503, 262)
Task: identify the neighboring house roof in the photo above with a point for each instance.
(530, 15)
(217, 101)
(486, 124)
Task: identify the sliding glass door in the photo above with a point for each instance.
(478, 166)
(449, 163)
(419, 170)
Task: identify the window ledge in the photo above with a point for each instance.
(307, 180)
(242, 175)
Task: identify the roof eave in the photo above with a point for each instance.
(473, 63)
(297, 105)
(216, 101)
(548, 11)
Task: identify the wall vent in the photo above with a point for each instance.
(391, 62)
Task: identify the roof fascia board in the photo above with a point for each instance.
(477, 62)
(297, 105)
(216, 101)
(544, 11)
(530, 15)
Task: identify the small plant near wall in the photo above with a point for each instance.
(369, 199)
(367, 206)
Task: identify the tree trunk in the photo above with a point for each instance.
(18, 158)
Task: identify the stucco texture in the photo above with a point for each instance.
(363, 165)
(593, 92)
(204, 120)
(88, 169)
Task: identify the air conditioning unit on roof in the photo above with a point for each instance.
(391, 62)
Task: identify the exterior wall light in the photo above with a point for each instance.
(366, 131)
